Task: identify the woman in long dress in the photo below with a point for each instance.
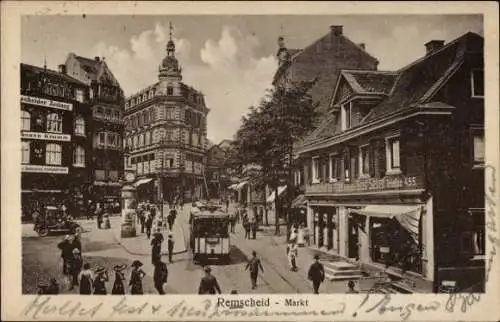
(86, 279)
(118, 286)
(100, 281)
(136, 278)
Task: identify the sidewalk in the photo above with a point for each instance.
(271, 250)
(141, 245)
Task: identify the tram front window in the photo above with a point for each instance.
(211, 228)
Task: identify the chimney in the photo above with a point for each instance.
(96, 58)
(362, 45)
(62, 68)
(337, 30)
(433, 45)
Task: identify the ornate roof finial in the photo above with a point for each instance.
(171, 28)
(170, 43)
(281, 38)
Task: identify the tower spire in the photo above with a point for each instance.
(171, 29)
(170, 43)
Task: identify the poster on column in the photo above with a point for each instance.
(384, 111)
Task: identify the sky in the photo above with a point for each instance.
(231, 59)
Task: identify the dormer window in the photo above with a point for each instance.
(477, 83)
(346, 116)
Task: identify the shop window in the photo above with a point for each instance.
(346, 116)
(25, 152)
(25, 121)
(364, 160)
(478, 149)
(79, 126)
(79, 156)
(393, 155)
(54, 123)
(53, 154)
(315, 170)
(79, 95)
(477, 83)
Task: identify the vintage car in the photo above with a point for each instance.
(52, 219)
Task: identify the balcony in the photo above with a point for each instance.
(369, 185)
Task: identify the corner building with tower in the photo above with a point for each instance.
(166, 135)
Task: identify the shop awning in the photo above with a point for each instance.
(240, 185)
(299, 202)
(272, 196)
(233, 186)
(142, 181)
(407, 215)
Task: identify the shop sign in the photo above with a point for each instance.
(46, 136)
(46, 103)
(44, 169)
(386, 183)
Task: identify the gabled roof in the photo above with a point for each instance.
(97, 69)
(413, 86)
(51, 73)
(419, 81)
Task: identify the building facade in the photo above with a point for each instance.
(218, 172)
(395, 178)
(166, 134)
(322, 60)
(55, 145)
(107, 108)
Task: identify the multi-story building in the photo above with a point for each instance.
(166, 133)
(395, 177)
(107, 102)
(218, 173)
(55, 148)
(322, 60)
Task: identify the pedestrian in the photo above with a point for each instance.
(246, 226)
(86, 279)
(90, 210)
(350, 288)
(53, 287)
(316, 274)
(118, 285)
(149, 224)
(136, 278)
(208, 283)
(254, 265)
(76, 242)
(293, 253)
(170, 245)
(171, 218)
(156, 247)
(227, 205)
(107, 223)
(142, 219)
(98, 213)
(66, 253)
(160, 276)
(75, 265)
(253, 226)
(101, 277)
(232, 221)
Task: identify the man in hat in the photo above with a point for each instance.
(75, 265)
(170, 245)
(316, 274)
(171, 218)
(156, 247)
(209, 284)
(254, 265)
(160, 276)
(66, 252)
(149, 224)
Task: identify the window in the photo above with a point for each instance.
(79, 95)
(392, 155)
(116, 115)
(141, 139)
(79, 156)
(145, 116)
(127, 123)
(113, 139)
(170, 113)
(134, 121)
(54, 123)
(136, 141)
(151, 115)
(335, 167)
(25, 121)
(364, 160)
(477, 83)
(315, 170)
(80, 126)
(25, 152)
(129, 144)
(199, 139)
(148, 138)
(345, 114)
(478, 149)
(53, 154)
(170, 90)
(102, 138)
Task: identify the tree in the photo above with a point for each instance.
(267, 134)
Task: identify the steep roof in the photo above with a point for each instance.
(55, 74)
(411, 86)
(97, 69)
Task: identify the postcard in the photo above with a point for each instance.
(284, 161)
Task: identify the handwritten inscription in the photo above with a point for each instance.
(491, 216)
(41, 306)
(462, 300)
